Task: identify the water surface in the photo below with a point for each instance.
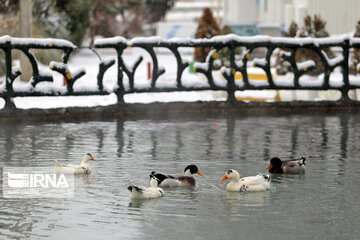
(322, 204)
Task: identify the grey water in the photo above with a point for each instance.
(321, 204)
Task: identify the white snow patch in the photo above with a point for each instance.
(5, 39)
(191, 96)
(305, 64)
(259, 94)
(61, 102)
(43, 42)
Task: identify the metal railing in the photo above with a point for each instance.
(8, 44)
(149, 44)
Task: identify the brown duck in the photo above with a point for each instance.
(296, 166)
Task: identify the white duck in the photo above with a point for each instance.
(82, 168)
(146, 192)
(174, 180)
(259, 182)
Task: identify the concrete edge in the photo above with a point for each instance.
(158, 109)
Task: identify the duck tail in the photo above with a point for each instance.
(303, 160)
(132, 187)
(267, 177)
(58, 164)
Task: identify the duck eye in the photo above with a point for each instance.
(230, 171)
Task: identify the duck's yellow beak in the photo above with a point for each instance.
(198, 172)
(269, 166)
(224, 178)
(93, 159)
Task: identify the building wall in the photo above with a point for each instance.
(240, 12)
(341, 16)
(272, 11)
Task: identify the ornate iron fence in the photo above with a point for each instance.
(8, 44)
(149, 44)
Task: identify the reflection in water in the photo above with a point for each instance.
(154, 145)
(100, 137)
(119, 136)
(235, 202)
(142, 203)
(179, 144)
(128, 150)
(344, 136)
(285, 178)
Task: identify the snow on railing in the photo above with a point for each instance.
(286, 48)
(7, 44)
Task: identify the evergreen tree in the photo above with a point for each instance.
(207, 28)
(8, 24)
(223, 56)
(67, 19)
(292, 31)
(133, 16)
(355, 58)
(312, 28)
(9, 6)
(282, 66)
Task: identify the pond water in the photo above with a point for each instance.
(321, 204)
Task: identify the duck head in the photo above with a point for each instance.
(87, 157)
(153, 181)
(275, 162)
(231, 174)
(192, 169)
(303, 160)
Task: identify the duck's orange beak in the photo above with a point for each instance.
(269, 166)
(93, 159)
(224, 178)
(198, 172)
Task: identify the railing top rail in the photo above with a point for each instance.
(36, 42)
(230, 39)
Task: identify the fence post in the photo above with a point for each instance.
(9, 104)
(120, 90)
(345, 72)
(231, 81)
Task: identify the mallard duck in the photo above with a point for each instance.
(170, 180)
(146, 192)
(259, 182)
(82, 168)
(295, 166)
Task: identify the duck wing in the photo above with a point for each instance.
(161, 176)
(132, 188)
(255, 180)
(167, 180)
(256, 183)
(75, 166)
(294, 163)
(59, 164)
(294, 166)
